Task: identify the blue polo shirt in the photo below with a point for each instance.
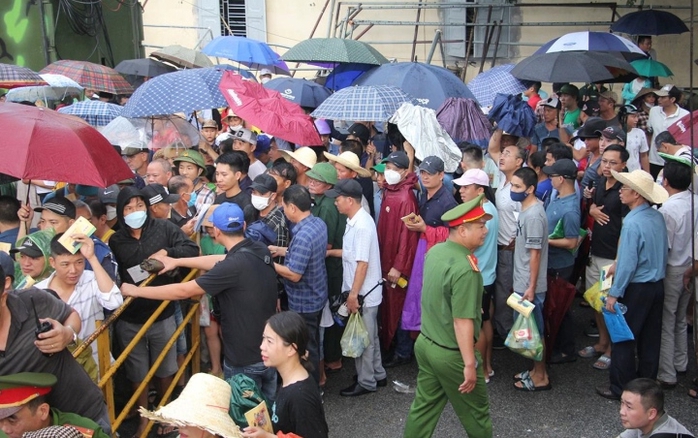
(642, 250)
(306, 256)
(565, 209)
(9, 236)
(433, 208)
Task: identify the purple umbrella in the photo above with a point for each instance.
(463, 119)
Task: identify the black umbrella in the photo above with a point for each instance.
(583, 66)
(649, 22)
(144, 67)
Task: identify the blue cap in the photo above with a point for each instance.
(228, 217)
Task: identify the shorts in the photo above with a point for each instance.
(539, 301)
(487, 296)
(148, 348)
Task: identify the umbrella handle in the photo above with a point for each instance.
(27, 225)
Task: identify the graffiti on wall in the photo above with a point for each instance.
(13, 42)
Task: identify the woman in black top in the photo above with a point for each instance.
(298, 406)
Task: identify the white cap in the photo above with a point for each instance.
(265, 71)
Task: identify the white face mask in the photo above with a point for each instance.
(111, 213)
(265, 79)
(649, 105)
(392, 177)
(260, 202)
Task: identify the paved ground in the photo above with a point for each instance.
(571, 409)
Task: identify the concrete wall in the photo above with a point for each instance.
(182, 21)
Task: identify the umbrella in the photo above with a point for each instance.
(241, 71)
(93, 76)
(681, 129)
(182, 57)
(557, 301)
(343, 75)
(649, 68)
(464, 121)
(183, 91)
(487, 84)
(429, 84)
(583, 67)
(334, 50)
(369, 103)
(513, 115)
(303, 92)
(155, 132)
(267, 110)
(12, 76)
(94, 112)
(591, 41)
(144, 67)
(649, 22)
(49, 145)
(58, 88)
(252, 53)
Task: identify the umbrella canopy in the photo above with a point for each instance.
(681, 129)
(93, 76)
(464, 121)
(650, 68)
(48, 145)
(182, 57)
(561, 297)
(649, 22)
(58, 88)
(583, 67)
(182, 91)
(94, 112)
(143, 67)
(252, 53)
(239, 70)
(513, 115)
(429, 84)
(12, 76)
(343, 75)
(487, 84)
(591, 41)
(369, 103)
(334, 50)
(268, 110)
(154, 132)
(303, 92)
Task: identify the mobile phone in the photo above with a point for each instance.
(41, 327)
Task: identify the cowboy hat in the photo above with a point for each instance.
(304, 155)
(204, 403)
(642, 183)
(350, 161)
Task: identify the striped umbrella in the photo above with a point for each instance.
(91, 76)
(12, 76)
(94, 112)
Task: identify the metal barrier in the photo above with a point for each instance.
(107, 371)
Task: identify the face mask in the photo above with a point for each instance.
(649, 105)
(192, 200)
(518, 196)
(111, 213)
(265, 80)
(392, 177)
(136, 219)
(260, 202)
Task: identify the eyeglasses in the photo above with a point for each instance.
(609, 163)
(624, 188)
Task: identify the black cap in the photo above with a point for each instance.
(60, 206)
(7, 265)
(563, 167)
(432, 165)
(361, 132)
(591, 108)
(398, 158)
(345, 187)
(28, 248)
(156, 193)
(613, 132)
(590, 128)
(264, 184)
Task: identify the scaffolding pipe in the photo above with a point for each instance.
(416, 30)
(392, 5)
(430, 55)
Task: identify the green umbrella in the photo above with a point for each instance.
(334, 50)
(650, 68)
(182, 57)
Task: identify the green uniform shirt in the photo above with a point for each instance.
(451, 289)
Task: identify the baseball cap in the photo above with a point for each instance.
(432, 165)
(134, 148)
(569, 89)
(591, 108)
(108, 195)
(552, 102)
(380, 167)
(156, 193)
(7, 264)
(228, 217)
(16, 390)
(398, 158)
(263, 145)
(60, 206)
(265, 71)
(473, 176)
(28, 248)
(346, 187)
(613, 133)
(361, 132)
(245, 135)
(323, 128)
(563, 167)
(209, 123)
(264, 184)
(610, 95)
(630, 109)
(668, 90)
(591, 128)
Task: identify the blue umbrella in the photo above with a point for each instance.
(243, 72)
(345, 74)
(513, 115)
(94, 112)
(183, 91)
(252, 53)
(487, 84)
(429, 84)
(300, 91)
(363, 103)
(649, 22)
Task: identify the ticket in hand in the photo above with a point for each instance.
(80, 226)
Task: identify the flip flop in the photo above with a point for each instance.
(693, 394)
(522, 375)
(528, 386)
(589, 352)
(602, 363)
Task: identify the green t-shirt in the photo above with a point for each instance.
(572, 119)
(451, 289)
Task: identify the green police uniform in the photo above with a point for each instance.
(452, 288)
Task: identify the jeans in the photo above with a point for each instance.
(263, 376)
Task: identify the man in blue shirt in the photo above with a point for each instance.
(303, 271)
(638, 276)
(9, 221)
(550, 126)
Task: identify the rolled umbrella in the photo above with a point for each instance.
(246, 51)
(182, 57)
(90, 75)
(12, 76)
(464, 121)
(334, 50)
(52, 146)
(650, 68)
(583, 67)
(94, 112)
(371, 103)
(487, 84)
(143, 67)
(428, 84)
(302, 92)
(650, 22)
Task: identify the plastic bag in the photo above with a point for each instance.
(355, 338)
(617, 326)
(245, 395)
(594, 296)
(205, 311)
(524, 338)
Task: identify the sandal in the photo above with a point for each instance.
(522, 375)
(602, 363)
(527, 385)
(589, 352)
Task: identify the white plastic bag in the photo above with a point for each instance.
(355, 338)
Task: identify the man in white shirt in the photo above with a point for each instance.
(666, 113)
(246, 141)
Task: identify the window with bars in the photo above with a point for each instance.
(233, 12)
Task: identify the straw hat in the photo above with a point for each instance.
(350, 161)
(305, 155)
(204, 403)
(642, 182)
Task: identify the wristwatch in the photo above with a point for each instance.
(75, 335)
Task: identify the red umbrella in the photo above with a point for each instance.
(89, 75)
(558, 300)
(681, 129)
(268, 110)
(40, 143)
